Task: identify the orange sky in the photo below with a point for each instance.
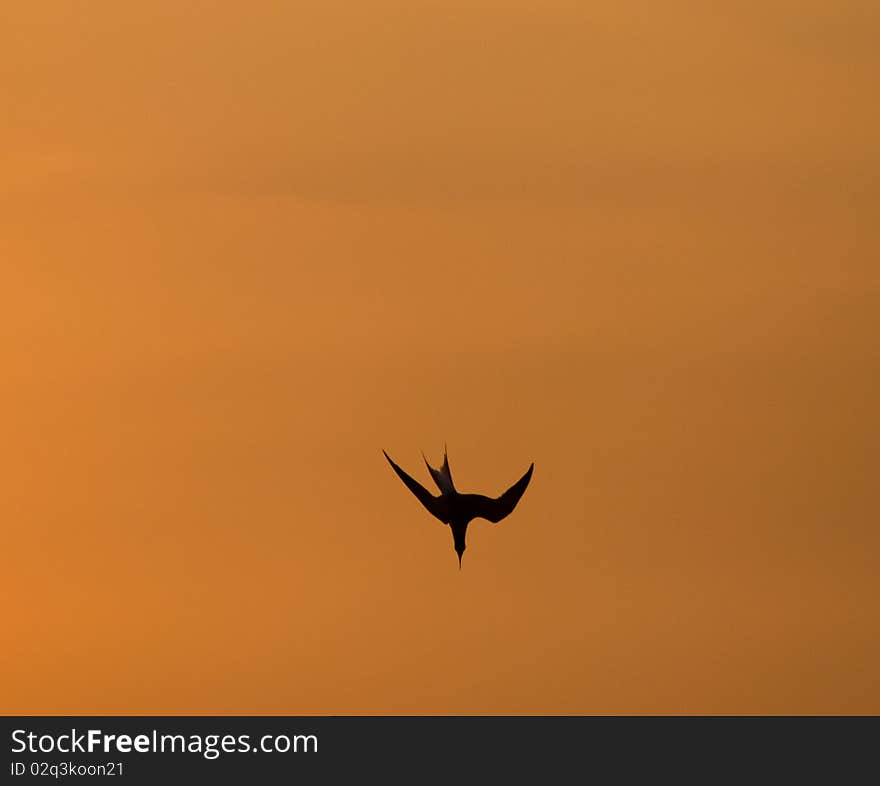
(246, 248)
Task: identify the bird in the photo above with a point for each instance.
(457, 510)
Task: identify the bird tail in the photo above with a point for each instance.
(443, 476)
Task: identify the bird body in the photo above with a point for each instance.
(457, 510)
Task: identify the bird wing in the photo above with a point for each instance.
(424, 496)
(496, 509)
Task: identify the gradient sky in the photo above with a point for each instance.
(246, 247)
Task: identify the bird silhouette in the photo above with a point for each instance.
(457, 510)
